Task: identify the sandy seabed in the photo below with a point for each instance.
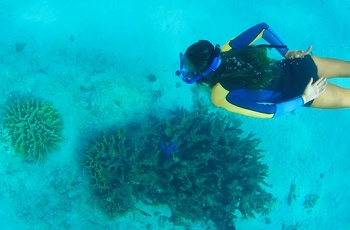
(93, 62)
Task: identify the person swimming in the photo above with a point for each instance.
(243, 79)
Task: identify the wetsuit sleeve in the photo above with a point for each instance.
(262, 110)
(256, 32)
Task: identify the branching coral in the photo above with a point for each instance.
(34, 127)
(197, 163)
(214, 173)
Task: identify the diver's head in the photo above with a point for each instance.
(199, 60)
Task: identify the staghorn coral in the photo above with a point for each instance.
(34, 127)
(196, 162)
(215, 173)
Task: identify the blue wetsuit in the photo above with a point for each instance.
(282, 97)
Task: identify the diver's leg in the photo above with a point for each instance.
(334, 97)
(330, 67)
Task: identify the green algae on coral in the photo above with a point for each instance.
(34, 127)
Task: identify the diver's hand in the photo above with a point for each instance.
(297, 53)
(314, 90)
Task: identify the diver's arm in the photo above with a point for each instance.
(288, 106)
(256, 32)
(248, 107)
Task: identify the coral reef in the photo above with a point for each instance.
(106, 164)
(212, 173)
(196, 162)
(34, 127)
(310, 201)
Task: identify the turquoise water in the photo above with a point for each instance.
(93, 60)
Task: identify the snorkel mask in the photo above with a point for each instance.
(190, 77)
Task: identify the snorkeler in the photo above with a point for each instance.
(244, 80)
